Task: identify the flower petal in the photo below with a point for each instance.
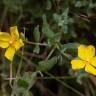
(93, 61)
(14, 32)
(90, 52)
(4, 44)
(86, 52)
(77, 64)
(19, 44)
(9, 54)
(81, 52)
(90, 69)
(4, 36)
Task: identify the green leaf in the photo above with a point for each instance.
(81, 3)
(70, 46)
(25, 83)
(46, 28)
(80, 74)
(63, 20)
(56, 17)
(55, 39)
(60, 60)
(47, 64)
(27, 93)
(65, 13)
(22, 83)
(36, 49)
(30, 78)
(14, 5)
(49, 5)
(36, 34)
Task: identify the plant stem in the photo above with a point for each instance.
(33, 43)
(56, 77)
(11, 74)
(20, 64)
(49, 55)
(65, 84)
(19, 68)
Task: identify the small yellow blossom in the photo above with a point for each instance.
(11, 41)
(87, 59)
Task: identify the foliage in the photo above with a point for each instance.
(51, 30)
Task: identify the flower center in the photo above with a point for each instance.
(88, 62)
(12, 41)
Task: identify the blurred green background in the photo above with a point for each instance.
(62, 25)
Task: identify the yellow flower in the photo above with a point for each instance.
(87, 59)
(10, 41)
